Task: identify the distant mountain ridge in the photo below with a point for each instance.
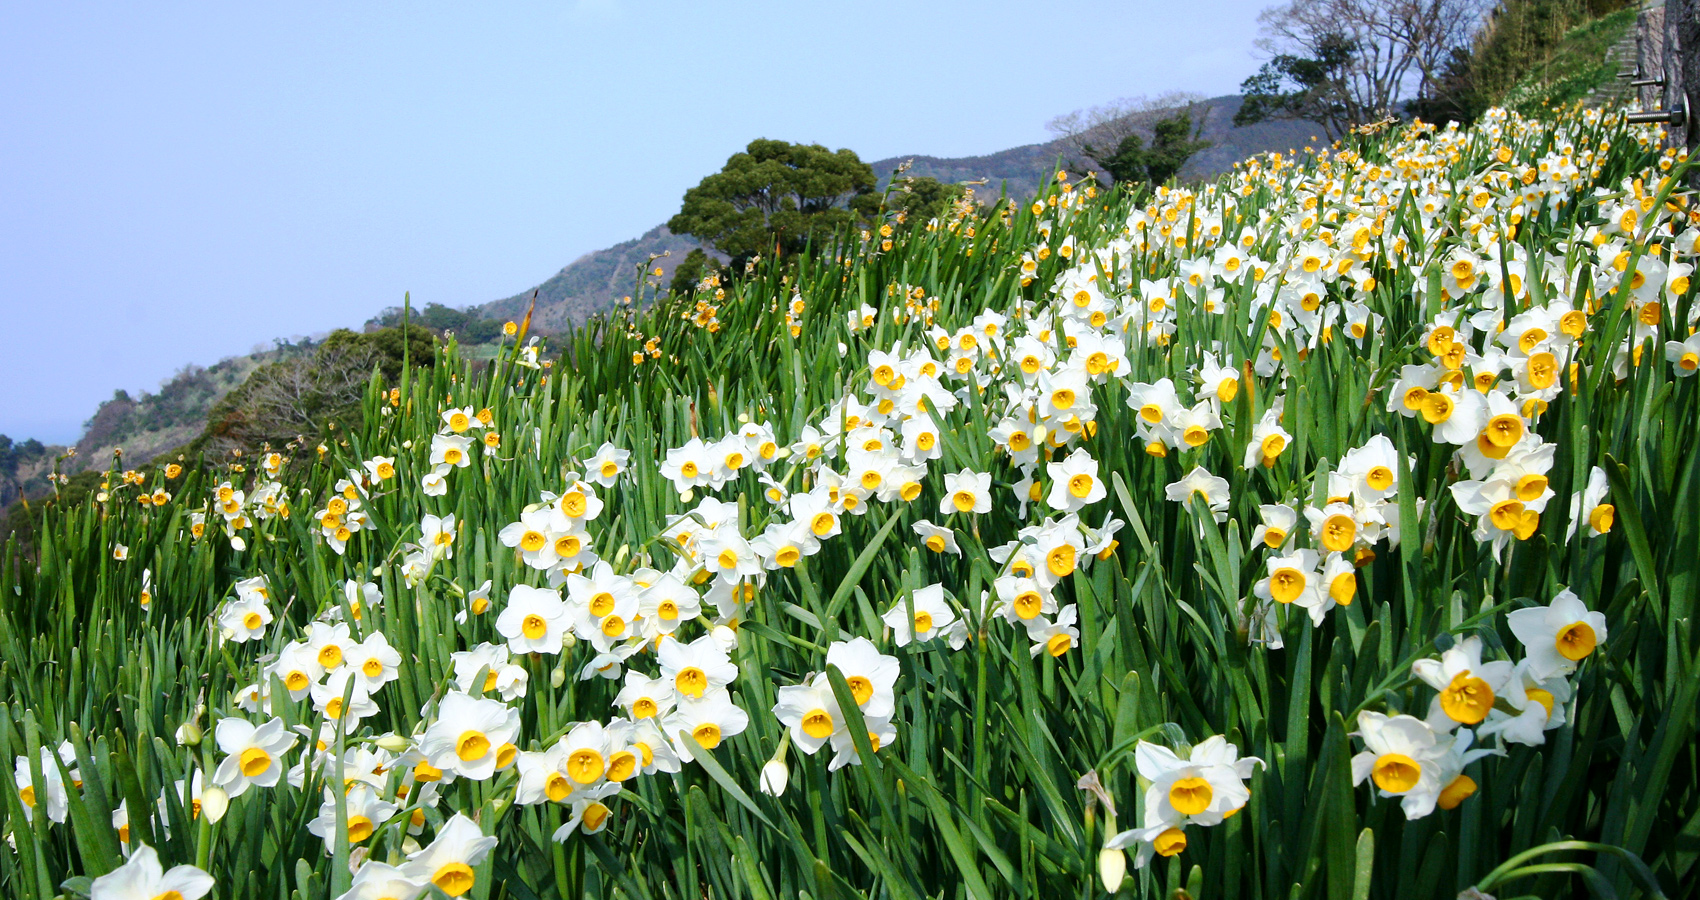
(596, 280)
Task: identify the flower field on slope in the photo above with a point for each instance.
(1326, 531)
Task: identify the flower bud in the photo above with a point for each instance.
(394, 743)
(188, 735)
(774, 777)
(558, 676)
(1112, 868)
(214, 802)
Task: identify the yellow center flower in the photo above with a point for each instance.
(1396, 773)
(1190, 796)
(1575, 641)
(1467, 698)
(453, 878)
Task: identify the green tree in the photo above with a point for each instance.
(775, 197)
(1311, 88)
(696, 266)
(1174, 139)
(300, 396)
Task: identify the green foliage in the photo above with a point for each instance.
(1310, 88)
(1531, 55)
(1575, 66)
(775, 198)
(1173, 141)
(305, 396)
(467, 326)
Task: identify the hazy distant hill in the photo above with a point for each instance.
(594, 281)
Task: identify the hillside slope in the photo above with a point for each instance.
(594, 281)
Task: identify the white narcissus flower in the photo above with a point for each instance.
(451, 450)
(697, 668)
(1074, 482)
(375, 662)
(690, 466)
(1539, 705)
(870, 675)
(381, 468)
(459, 420)
(644, 697)
(811, 712)
(1213, 489)
(52, 792)
(1055, 638)
(1404, 757)
(541, 778)
(535, 620)
(1684, 356)
(433, 483)
(328, 699)
(1372, 468)
(708, 721)
(471, 737)
(1467, 686)
(1291, 579)
(381, 881)
(245, 619)
(501, 676)
(437, 535)
(1559, 636)
(254, 756)
(449, 861)
(143, 878)
(880, 734)
(589, 814)
(366, 811)
(932, 617)
(1589, 505)
(1268, 441)
(606, 464)
(966, 491)
(1276, 529)
(1204, 789)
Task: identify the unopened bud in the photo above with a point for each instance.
(558, 676)
(685, 496)
(188, 735)
(214, 802)
(775, 776)
(394, 743)
(1039, 434)
(1112, 868)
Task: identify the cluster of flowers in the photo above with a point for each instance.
(1421, 761)
(1501, 342)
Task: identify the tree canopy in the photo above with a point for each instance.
(1312, 88)
(1174, 140)
(775, 197)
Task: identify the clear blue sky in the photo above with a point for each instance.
(183, 182)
